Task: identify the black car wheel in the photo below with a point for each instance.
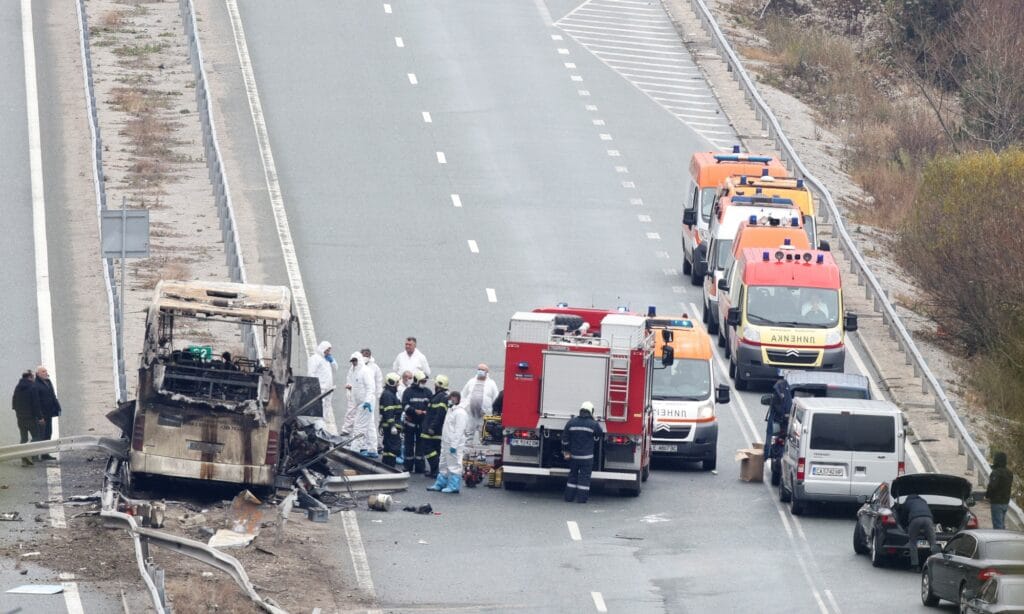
(784, 494)
(776, 472)
(877, 559)
(860, 545)
(796, 506)
(687, 267)
(741, 382)
(710, 463)
(928, 598)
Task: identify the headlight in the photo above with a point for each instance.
(752, 334)
(833, 337)
(706, 411)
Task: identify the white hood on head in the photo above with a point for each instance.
(323, 347)
(358, 356)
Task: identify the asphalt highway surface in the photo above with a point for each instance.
(446, 164)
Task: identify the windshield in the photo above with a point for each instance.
(707, 199)
(723, 254)
(793, 307)
(1005, 550)
(687, 379)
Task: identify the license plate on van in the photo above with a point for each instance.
(827, 471)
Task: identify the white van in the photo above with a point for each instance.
(839, 449)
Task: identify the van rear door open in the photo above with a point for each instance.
(850, 454)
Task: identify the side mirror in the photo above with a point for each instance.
(850, 321)
(668, 356)
(722, 394)
(689, 217)
(766, 399)
(733, 316)
(723, 285)
(666, 336)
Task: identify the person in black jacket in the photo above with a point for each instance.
(414, 404)
(391, 420)
(49, 403)
(920, 523)
(28, 410)
(433, 423)
(998, 492)
(578, 447)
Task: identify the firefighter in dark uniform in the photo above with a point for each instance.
(391, 420)
(414, 403)
(578, 447)
(433, 423)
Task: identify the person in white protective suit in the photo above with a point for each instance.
(359, 419)
(453, 445)
(378, 389)
(480, 393)
(322, 366)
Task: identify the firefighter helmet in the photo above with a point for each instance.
(441, 381)
(587, 407)
(419, 377)
(391, 379)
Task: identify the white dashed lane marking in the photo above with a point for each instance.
(614, 153)
(654, 236)
(591, 107)
(456, 200)
(412, 78)
(426, 117)
(638, 41)
(629, 185)
(598, 601)
(399, 42)
(574, 530)
(583, 92)
(563, 51)
(644, 218)
(569, 65)
(473, 246)
(556, 37)
(387, 9)
(441, 159)
(605, 136)
(492, 297)
(636, 201)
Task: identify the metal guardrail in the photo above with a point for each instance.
(114, 305)
(966, 445)
(108, 445)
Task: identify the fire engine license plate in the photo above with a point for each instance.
(662, 447)
(528, 443)
(826, 471)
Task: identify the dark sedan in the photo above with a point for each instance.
(999, 595)
(968, 561)
(881, 528)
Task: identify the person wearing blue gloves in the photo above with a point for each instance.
(359, 420)
(453, 445)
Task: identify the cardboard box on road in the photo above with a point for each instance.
(751, 462)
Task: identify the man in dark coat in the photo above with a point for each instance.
(49, 403)
(920, 524)
(578, 439)
(998, 492)
(28, 409)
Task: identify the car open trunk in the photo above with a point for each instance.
(950, 517)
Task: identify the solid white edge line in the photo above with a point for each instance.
(357, 551)
(832, 600)
(574, 530)
(545, 14)
(598, 601)
(492, 297)
(44, 306)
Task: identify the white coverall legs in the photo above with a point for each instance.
(330, 424)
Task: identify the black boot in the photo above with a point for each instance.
(26, 462)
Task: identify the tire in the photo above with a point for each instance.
(784, 494)
(732, 369)
(569, 322)
(961, 598)
(860, 545)
(695, 278)
(710, 463)
(704, 317)
(687, 267)
(776, 472)
(721, 338)
(728, 347)
(928, 598)
(877, 559)
(514, 485)
(796, 506)
(712, 325)
(645, 472)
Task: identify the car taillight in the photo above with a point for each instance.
(273, 441)
(137, 432)
(888, 520)
(618, 440)
(779, 441)
(800, 469)
(523, 435)
(972, 521)
(901, 468)
(987, 573)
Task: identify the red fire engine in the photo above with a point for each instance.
(557, 358)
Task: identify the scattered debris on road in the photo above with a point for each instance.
(10, 516)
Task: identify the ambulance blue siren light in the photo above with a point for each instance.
(743, 180)
(736, 149)
(765, 257)
(753, 220)
(821, 258)
(651, 311)
(764, 172)
(787, 241)
(799, 183)
(794, 222)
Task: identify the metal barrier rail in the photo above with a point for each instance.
(897, 330)
(114, 305)
(109, 445)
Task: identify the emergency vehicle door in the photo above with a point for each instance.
(569, 379)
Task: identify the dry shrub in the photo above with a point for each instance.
(132, 101)
(112, 20)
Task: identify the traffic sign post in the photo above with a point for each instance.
(124, 234)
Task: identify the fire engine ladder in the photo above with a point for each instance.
(618, 383)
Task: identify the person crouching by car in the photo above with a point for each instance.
(920, 523)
